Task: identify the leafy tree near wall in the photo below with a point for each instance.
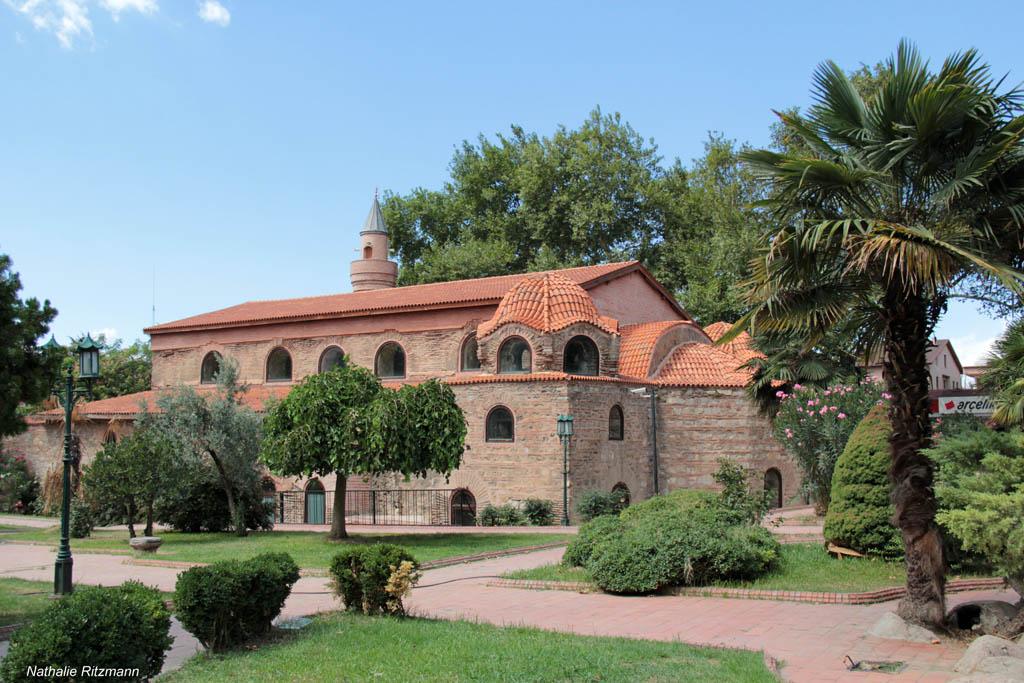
(896, 202)
(26, 369)
(216, 428)
(126, 477)
(343, 422)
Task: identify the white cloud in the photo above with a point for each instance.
(109, 334)
(115, 7)
(971, 349)
(213, 12)
(68, 20)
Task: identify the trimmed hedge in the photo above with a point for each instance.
(681, 499)
(859, 516)
(502, 515)
(581, 547)
(361, 574)
(681, 548)
(126, 627)
(228, 603)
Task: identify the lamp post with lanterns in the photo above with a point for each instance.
(88, 352)
(565, 435)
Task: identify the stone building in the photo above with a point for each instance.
(606, 344)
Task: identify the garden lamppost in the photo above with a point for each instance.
(565, 435)
(88, 352)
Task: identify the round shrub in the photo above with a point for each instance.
(227, 603)
(373, 578)
(18, 488)
(593, 504)
(628, 563)
(539, 512)
(501, 515)
(860, 514)
(680, 499)
(82, 521)
(126, 627)
(580, 548)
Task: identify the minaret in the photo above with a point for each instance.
(374, 270)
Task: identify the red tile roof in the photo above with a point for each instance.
(548, 302)
(742, 346)
(702, 365)
(480, 291)
(131, 404)
(637, 345)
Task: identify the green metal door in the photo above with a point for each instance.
(316, 506)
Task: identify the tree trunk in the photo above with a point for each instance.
(130, 507)
(149, 519)
(338, 531)
(237, 519)
(911, 473)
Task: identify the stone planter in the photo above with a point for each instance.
(147, 544)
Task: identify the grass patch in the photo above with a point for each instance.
(803, 567)
(350, 647)
(22, 600)
(310, 549)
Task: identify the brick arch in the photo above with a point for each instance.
(542, 357)
(475, 484)
(204, 351)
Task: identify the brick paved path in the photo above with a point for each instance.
(810, 640)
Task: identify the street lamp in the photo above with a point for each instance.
(88, 352)
(565, 435)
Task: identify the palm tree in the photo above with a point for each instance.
(899, 199)
(1004, 376)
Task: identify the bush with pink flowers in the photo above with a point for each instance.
(814, 424)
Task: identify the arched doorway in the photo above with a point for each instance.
(316, 503)
(463, 508)
(773, 487)
(623, 492)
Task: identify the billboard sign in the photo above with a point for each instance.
(972, 405)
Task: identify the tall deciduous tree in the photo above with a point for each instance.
(218, 428)
(343, 422)
(896, 201)
(26, 370)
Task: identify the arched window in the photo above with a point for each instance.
(463, 508)
(622, 491)
(332, 357)
(390, 362)
(515, 356)
(615, 424)
(367, 252)
(279, 366)
(468, 359)
(316, 503)
(773, 487)
(210, 367)
(500, 425)
(581, 357)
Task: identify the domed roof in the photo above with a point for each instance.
(547, 303)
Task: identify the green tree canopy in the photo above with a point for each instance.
(1004, 376)
(891, 204)
(217, 428)
(343, 422)
(26, 370)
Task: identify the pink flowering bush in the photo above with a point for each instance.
(18, 488)
(814, 424)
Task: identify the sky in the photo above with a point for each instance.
(201, 154)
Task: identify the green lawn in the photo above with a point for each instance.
(804, 567)
(309, 549)
(22, 601)
(346, 647)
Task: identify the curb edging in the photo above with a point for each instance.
(820, 597)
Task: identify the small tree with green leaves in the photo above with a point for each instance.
(343, 422)
(216, 428)
(126, 477)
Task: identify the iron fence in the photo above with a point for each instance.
(392, 507)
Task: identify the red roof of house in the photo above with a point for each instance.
(547, 302)
(131, 404)
(479, 291)
(742, 346)
(637, 344)
(702, 365)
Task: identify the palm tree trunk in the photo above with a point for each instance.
(911, 473)
(338, 530)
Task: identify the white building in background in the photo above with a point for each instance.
(944, 368)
